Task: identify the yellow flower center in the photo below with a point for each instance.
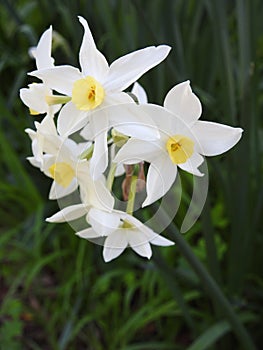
(179, 148)
(87, 94)
(62, 173)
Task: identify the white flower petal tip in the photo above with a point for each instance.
(87, 234)
(161, 241)
(140, 93)
(183, 102)
(68, 213)
(214, 138)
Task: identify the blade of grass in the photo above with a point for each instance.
(215, 332)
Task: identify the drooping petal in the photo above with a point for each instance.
(160, 177)
(94, 193)
(139, 243)
(99, 126)
(42, 52)
(70, 119)
(58, 191)
(129, 68)
(132, 120)
(161, 241)
(114, 245)
(59, 78)
(101, 196)
(102, 222)
(140, 93)
(214, 138)
(92, 61)
(135, 151)
(155, 238)
(69, 213)
(192, 164)
(183, 102)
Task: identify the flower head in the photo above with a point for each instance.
(96, 94)
(121, 231)
(183, 142)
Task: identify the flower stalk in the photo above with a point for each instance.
(132, 194)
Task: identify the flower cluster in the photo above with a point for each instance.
(92, 127)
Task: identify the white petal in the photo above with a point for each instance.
(58, 191)
(183, 102)
(192, 164)
(34, 97)
(140, 93)
(92, 61)
(99, 126)
(215, 138)
(139, 243)
(135, 151)
(102, 222)
(104, 199)
(59, 78)
(70, 119)
(161, 241)
(114, 245)
(69, 213)
(165, 120)
(94, 193)
(47, 126)
(156, 239)
(132, 120)
(86, 133)
(129, 68)
(150, 236)
(87, 233)
(33, 161)
(116, 98)
(160, 177)
(42, 53)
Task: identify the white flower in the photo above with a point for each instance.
(45, 129)
(60, 159)
(121, 230)
(36, 96)
(98, 86)
(64, 166)
(183, 141)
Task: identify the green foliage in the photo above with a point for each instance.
(56, 292)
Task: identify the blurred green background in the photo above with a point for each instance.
(55, 290)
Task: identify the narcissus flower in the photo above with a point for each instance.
(37, 96)
(121, 230)
(60, 159)
(97, 88)
(184, 140)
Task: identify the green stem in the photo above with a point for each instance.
(110, 177)
(132, 194)
(212, 289)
